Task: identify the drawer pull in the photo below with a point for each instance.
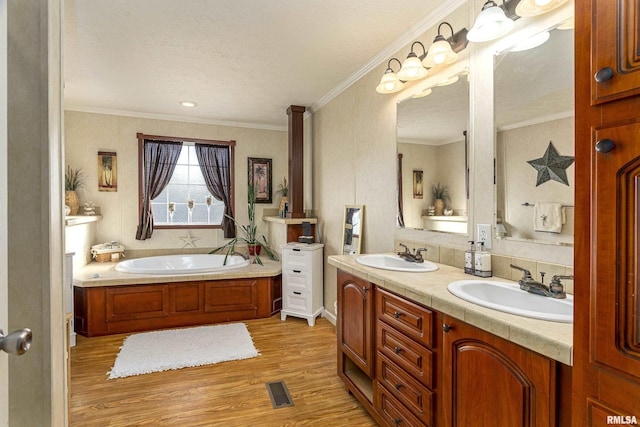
(297, 271)
(396, 314)
(397, 350)
(397, 421)
(399, 386)
(296, 250)
(446, 327)
(605, 145)
(603, 74)
(297, 293)
(364, 288)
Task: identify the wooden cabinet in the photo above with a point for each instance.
(405, 361)
(607, 264)
(116, 309)
(489, 381)
(429, 369)
(615, 46)
(355, 332)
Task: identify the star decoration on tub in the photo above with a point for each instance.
(189, 240)
(552, 166)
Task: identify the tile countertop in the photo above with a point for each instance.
(551, 339)
(97, 274)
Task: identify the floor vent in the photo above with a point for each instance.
(279, 395)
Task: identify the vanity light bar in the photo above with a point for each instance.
(442, 52)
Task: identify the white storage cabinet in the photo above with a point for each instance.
(302, 281)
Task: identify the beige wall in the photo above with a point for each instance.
(354, 137)
(87, 133)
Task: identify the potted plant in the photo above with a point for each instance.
(73, 180)
(249, 234)
(440, 193)
(283, 189)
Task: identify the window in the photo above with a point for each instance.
(186, 200)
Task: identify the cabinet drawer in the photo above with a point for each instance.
(297, 259)
(297, 302)
(297, 280)
(408, 317)
(406, 353)
(392, 411)
(415, 396)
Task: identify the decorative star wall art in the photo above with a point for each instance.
(189, 240)
(552, 166)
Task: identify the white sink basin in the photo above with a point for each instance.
(511, 299)
(395, 263)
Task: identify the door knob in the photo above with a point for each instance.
(446, 327)
(17, 342)
(604, 74)
(605, 145)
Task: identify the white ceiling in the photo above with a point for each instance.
(241, 61)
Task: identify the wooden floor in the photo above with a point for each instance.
(226, 394)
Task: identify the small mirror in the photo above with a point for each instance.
(534, 113)
(432, 158)
(352, 230)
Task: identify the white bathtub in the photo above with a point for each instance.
(181, 264)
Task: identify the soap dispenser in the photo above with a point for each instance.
(470, 259)
(482, 262)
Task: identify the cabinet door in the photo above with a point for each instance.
(615, 50)
(489, 381)
(606, 375)
(355, 308)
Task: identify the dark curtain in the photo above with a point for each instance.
(160, 158)
(215, 164)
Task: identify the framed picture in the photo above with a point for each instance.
(417, 184)
(260, 177)
(107, 171)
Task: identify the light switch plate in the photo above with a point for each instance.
(484, 235)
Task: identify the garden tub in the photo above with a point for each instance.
(182, 264)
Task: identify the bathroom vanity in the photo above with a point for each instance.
(413, 354)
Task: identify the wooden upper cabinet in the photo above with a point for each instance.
(616, 223)
(489, 381)
(355, 333)
(615, 48)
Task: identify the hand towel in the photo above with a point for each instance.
(548, 217)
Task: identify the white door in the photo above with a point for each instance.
(4, 321)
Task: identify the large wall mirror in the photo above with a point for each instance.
(432, 157)
(534, 117)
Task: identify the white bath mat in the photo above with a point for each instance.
(180, 348)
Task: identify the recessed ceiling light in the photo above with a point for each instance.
(188, 104)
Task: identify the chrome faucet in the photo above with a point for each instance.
(529, 284)
(416, 256)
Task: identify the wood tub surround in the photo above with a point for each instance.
(406, 355)
(117, 304)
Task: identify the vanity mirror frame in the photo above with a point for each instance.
(459, 69)
(499, 225)
(348, 230)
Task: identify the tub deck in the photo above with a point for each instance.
(109, 302)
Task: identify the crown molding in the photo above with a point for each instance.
(537, 120)
(407, 37)
(174, 118)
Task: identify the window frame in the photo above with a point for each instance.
(142, 137)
